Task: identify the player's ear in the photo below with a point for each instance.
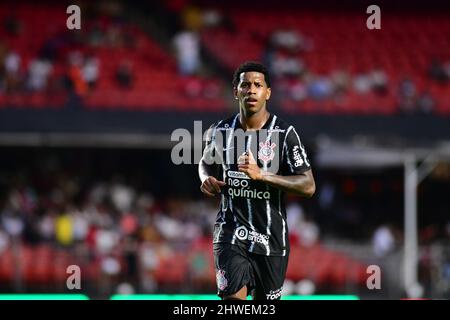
(268, 93)
(235, 91)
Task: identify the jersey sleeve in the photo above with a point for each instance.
(210, 145)
(295, 159)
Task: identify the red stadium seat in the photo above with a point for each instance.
(172, 270)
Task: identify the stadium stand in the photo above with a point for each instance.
(404, 47)
(340, 67)
(130, 216)
(154, 83)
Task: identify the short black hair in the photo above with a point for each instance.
(250, 66)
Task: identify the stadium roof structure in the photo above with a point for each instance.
(363, 154)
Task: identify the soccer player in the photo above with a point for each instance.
(251, 247)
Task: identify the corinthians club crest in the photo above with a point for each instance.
(266, 152)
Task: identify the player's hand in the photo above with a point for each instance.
(248, 165)
(211, 186)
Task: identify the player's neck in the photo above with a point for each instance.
(254, 121)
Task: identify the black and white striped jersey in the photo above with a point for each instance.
(252, 214)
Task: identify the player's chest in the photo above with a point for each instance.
(265, 146)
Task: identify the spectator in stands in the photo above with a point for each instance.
(447, 69)
(124, 74)
(294, 214)
(211, 18)
(12, 71)
(95, 37)
(12, 222)
(75, 74)
(362, 83)
(106, 240)
(149, 259)
(187, 50)
(341, 81)
(121, 194)
(281, 53)
(186, 42)
(4, 241)
(46, 227)
(2, 80)
(80, 225)
(379, 81)
(90, 71)
(301, 226)
(320, 87)
(64, 229)
(167, 227)
(437, 71)
(290, 39)
(297, 90)
(192, 18)
(285, 65)
(38, 74)
(130, 247)
(268, 56)
(114, 36)
(406, 96)
(383, 241)
(327, 194)
(55, 45)
(309, 231)
(365, 82)
(425, 103)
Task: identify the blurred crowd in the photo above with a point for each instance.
(65, 60)
(129, 231)
(296, 82)
(69, 61)
(113, 222)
